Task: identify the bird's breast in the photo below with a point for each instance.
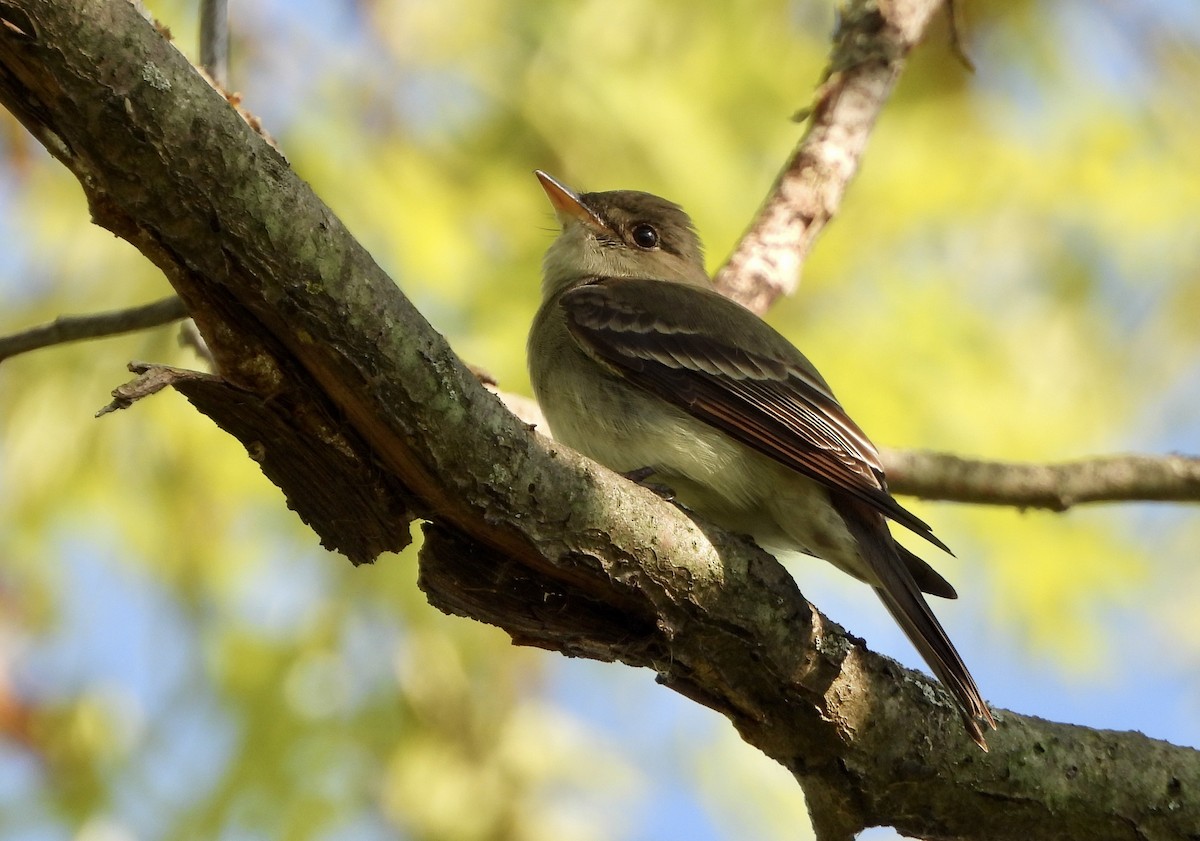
(624, 427)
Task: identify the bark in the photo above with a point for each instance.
(1057, 487)
(314, 342)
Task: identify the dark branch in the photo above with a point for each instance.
(214, 40)
(74, 328)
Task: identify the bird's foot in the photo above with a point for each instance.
(642, 474)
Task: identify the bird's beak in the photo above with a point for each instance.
(567, 206)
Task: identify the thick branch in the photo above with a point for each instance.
(870, 47)
(524, 533)
(74, 328)
(1041, 780)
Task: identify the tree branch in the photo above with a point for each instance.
(950, 478)
(870, 46)
(523, 533)
(74, 328)
(214, 40)
(1127, 478)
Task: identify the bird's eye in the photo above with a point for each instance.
(645, 236)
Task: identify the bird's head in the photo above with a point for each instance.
(622, 233)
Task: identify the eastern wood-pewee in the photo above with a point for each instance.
(638, 363)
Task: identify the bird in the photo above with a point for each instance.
(640, 364)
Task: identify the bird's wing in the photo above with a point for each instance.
(761, 391)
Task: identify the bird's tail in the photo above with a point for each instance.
(902, 597)
(909, 609)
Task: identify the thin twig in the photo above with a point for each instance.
(73, 328)
(955, 14)
(1057, 487)
(214, 40)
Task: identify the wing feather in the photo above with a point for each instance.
(764, 393)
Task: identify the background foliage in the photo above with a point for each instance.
(1014, 275)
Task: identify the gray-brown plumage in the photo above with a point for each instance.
(638, 363)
